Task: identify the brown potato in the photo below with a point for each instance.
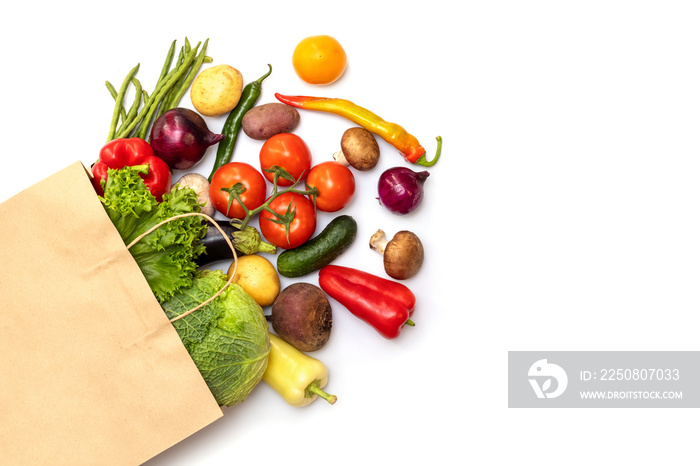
(264, 121)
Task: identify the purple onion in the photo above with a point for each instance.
(180, 136)
(401, 189)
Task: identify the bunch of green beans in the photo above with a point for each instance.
(169, 89)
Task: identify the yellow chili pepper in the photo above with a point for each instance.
(392, 133)
(296, 376)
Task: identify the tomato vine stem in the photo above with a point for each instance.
(283, 219)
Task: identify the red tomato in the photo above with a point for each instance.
(229, 175)
(288, 151)
(301, 227)
(335, 184)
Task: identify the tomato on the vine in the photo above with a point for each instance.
(226, 178)
(289, 151)
(301, 227)
(335, 184)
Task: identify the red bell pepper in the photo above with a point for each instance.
(133, 152)
(384, 304)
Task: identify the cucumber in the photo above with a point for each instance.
(320, 250)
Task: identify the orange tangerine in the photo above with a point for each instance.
(319, 59)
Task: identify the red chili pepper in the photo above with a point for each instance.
(133, 152)
(384, 304)
(392, 133)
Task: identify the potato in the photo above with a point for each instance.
(216, 90)
(258, 277)
(264, 121)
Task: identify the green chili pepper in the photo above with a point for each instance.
(232, 125)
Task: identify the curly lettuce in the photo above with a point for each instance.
(227, 339)
(166, 256)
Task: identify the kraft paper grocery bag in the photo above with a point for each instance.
(91, 371)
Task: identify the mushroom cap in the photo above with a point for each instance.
(403, 255)
(360, 148)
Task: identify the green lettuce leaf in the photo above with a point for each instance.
(166, 256)
(227, 339)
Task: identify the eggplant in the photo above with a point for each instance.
(246, 241)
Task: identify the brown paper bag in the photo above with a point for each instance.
(91, 371)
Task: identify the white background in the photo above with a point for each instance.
(562, 216)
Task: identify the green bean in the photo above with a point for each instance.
(113, 93)
(118, 103)
(187, 48)
(126, 117)
(166, 66)
(169, 98)
(111, 89)
(180, 57)
(168, 61)
(171, 85)
(146, 114)
(175, 99)
(134, 106)
(164, 103)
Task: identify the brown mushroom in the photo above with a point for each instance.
(403, 254)
(359, 149)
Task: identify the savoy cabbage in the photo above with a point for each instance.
(227, 339)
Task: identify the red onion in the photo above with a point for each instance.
(180, 136)
(401, 189)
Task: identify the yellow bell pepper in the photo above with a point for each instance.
(297, 377)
